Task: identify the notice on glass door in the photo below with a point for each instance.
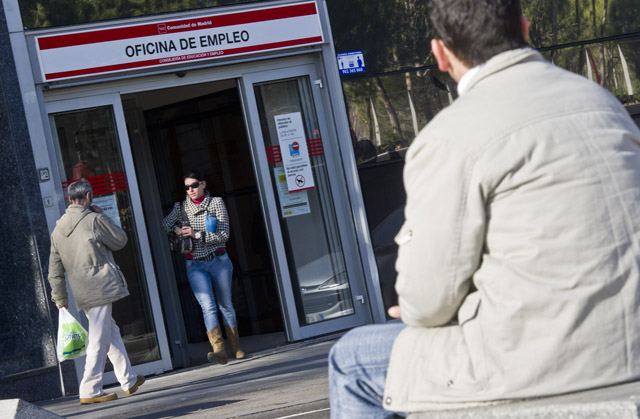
(109, 207)
(293, 147)
(291, 203)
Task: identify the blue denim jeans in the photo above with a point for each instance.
(207, 277)
(358, 369)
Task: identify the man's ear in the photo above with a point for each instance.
(438, 49)
(525, 27)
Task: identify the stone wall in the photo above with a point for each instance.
(28, 366)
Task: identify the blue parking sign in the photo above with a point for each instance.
(351, 62)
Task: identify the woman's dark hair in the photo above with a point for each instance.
(193, 174)
(476, 30)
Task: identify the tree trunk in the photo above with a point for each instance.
(606, 71)
(625, 17)
(593, 12)
(604, 17)
(391, 112)
(554, 22)
(554, 26)
(408, 82)
(578, 18)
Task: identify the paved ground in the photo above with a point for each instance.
(286, 382)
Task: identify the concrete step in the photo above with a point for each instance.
(615, 402)
(19, 409)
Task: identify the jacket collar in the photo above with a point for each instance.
(192, 208)
(503, 60)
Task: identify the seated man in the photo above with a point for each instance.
(519, 260)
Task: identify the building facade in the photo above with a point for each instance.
(250, 95)
(305, 147)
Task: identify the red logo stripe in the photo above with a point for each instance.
(273, 154)
(103, 184)
(315, 147)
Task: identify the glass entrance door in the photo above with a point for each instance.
(90, 143)
(312, 233)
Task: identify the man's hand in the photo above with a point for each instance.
(394, 311)
(97, 209)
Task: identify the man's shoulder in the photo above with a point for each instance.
(102, 220)
(71, 217)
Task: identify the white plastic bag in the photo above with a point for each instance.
(72, 337)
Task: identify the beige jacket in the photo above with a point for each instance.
(81, 246)
(518, 267)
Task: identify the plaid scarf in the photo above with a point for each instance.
(197, 216)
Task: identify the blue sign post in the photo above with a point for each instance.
(351, 62)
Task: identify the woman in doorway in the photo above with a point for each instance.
(209, 268)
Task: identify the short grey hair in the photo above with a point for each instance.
(78, 190)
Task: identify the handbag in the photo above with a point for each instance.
(181, 244)
(72, 337)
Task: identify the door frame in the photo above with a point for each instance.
(338, 190)
(113, 100)
(334, 126)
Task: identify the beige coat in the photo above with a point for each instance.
(518, 268)
(81, 246)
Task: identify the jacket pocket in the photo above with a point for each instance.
(453, 363)
(471, 325)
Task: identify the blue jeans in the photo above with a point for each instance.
(202, 275)
(358, 369)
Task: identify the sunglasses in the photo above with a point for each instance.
(194, 185)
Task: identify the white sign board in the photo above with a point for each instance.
(295, 155)
(291, 203)
(109, 207)
(168, 42)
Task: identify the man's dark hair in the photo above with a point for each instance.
(78, 190)
(476, 30)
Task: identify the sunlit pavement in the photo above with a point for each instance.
(285, 382)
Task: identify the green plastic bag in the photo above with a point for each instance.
(72, 337)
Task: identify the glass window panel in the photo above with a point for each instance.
(562, 21)
(87, 147)
(385, 114)
(307, 218)
(614, 65)
(395, 34)
(392, 34)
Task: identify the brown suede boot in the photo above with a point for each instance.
(234, 342)
(219, 353)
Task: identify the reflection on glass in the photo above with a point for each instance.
(50, 13)
(613, 65)
(87, 147)
(307, 217)
(563, 22)
(386, 113)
